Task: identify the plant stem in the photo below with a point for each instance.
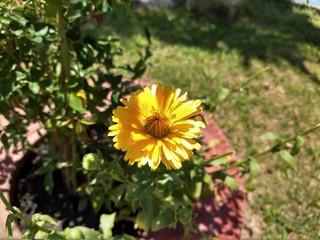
(69, 150)
(21, 216)
(272, 148)
(214, 158)
(236, 89)
(65, 58)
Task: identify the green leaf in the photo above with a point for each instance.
(19, 18)
(115, 98)
(149, 202)
(270, 136)
(41, 29)
(118, 193)
(89, 120)
(41, 235)
(37, 217)
(84, 54)
(29, 234)
(106, 224)
(75, 233)
(97, 201)
(75, 103)
(254, 169)
(20, 75)
(185, 216)
(297, 146)
(89, 234)
(223, 94)
(164, 219)
(9, 222)
(285, 155)
(232, 183)
(143, 221)
(219, 161)
(34, 87)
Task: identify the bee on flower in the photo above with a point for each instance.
(156, 125)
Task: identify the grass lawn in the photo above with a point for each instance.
(209, 59)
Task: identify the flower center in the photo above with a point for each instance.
(157, 125)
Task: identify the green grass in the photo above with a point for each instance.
(206, 57)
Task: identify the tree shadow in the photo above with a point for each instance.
(269, 30)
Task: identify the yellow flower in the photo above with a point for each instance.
(155, 125)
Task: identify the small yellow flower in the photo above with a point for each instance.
(155, 125)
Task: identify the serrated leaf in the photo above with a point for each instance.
(75, 103)
(106, 224)
(185, 216)
(285, 155)
(232, 183)
(163, 220)
(254, 169)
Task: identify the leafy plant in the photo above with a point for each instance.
(57, 71)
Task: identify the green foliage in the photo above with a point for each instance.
(53, 57)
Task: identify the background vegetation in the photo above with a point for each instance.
(210, 59)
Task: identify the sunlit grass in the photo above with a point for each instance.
(206, 57)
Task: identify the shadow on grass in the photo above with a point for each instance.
(269, 30)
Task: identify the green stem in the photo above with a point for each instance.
(65, 58)
(21, 216)
(250, 79)
(246, 82)
(70, 147)
(277, 145)
(214, 158)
